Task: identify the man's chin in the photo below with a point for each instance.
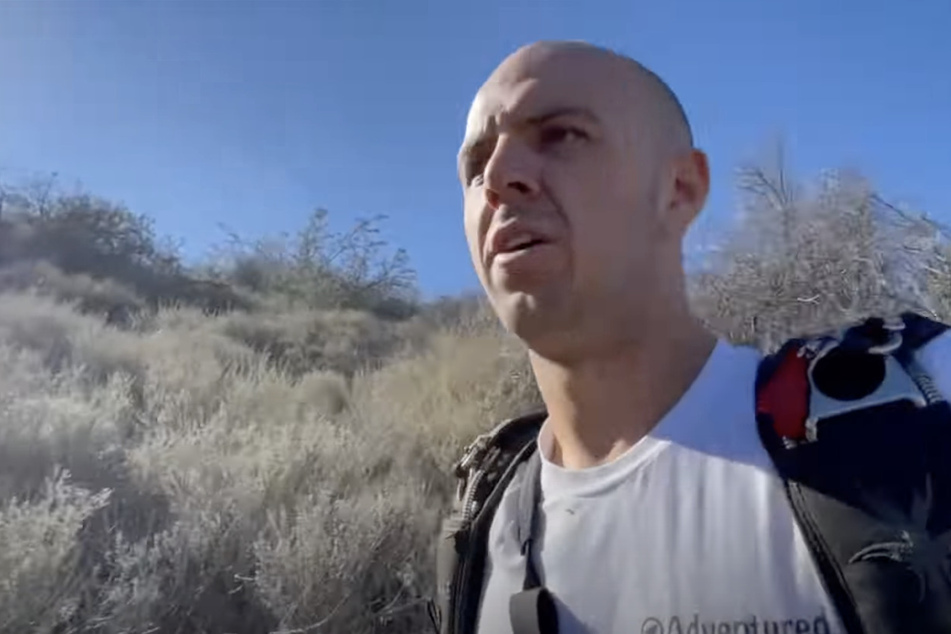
(533, 318)
(517, 307)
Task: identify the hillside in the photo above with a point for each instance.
(263, 443)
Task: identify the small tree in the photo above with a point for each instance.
(322, 269)
(804, 261)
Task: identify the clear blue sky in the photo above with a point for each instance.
(253, 112)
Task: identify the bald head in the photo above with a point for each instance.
(585, 156)
(646, 95)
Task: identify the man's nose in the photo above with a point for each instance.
(512, 174)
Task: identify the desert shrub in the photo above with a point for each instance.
(107, 298)
(15, 237)
(85, 247)
(84, 234)
(60, 469)
(41, 581)
(284, 469)
(51, 421)
(316, 570)
(65, 338)
(304, 340)
(320, 269)
(937, 269)
(804, 261)
(228, 480)
(429, 405)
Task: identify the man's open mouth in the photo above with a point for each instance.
(517, 238)
(523, 245)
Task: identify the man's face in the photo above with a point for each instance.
(562, 190)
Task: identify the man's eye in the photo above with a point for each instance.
(473, 171)
(555, 135)
(475, 162)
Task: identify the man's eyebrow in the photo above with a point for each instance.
(566, 111)
(472, 145)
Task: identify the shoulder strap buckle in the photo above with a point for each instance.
(858, 370)
(895, 385)
(861, 367)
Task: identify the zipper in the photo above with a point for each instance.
(469, 529)
(466, 494)
(469, 501)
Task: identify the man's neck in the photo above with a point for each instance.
(600, 407)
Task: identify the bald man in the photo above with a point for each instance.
(657, 509)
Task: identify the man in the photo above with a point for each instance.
(660, 508)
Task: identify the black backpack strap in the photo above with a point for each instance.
(484, 472)
(532, 610)
(861, 439)
(529, 498)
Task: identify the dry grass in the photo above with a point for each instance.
(105, 297)
(172, 478)
(285, 471)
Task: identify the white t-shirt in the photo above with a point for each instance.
(688, 532)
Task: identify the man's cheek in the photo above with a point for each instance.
(474, 238)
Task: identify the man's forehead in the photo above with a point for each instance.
(515, 98)
(556, 74)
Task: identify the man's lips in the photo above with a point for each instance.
(516, 237)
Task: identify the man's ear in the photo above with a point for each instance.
(691, 185)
